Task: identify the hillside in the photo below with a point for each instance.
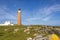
(22, 33)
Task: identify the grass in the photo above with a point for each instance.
(10, 35)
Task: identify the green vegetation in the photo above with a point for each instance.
(7, 32)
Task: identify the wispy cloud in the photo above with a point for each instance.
(45, 13)
(32, 19)
(46, 18)
(6, 13)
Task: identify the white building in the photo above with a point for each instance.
(7, 23)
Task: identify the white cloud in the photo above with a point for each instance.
(6, 13)
(32, 19)
(46, 13)
(46, 19)
(49, 10)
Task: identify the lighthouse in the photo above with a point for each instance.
(19, 17)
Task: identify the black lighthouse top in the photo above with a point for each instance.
(19, 9)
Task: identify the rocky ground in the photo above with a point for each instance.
(27, 32)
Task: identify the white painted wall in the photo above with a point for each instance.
(6, 23)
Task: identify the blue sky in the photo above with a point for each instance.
(43, 12)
